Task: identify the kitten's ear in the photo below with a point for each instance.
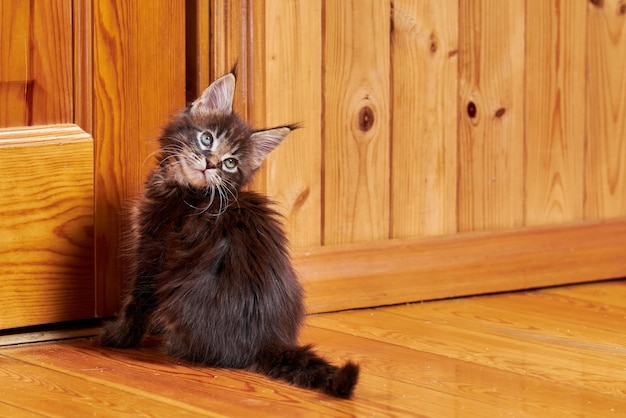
(218, 96)
(265, 141)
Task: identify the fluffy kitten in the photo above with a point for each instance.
(211, 270)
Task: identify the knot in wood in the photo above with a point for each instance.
(471, 110)
(366, 119)
(432, 44)
(301, 199)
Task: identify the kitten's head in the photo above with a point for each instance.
(209, 147)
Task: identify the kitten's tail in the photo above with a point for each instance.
(302, 367)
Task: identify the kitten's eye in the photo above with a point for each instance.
(206, 139)
(230, 163)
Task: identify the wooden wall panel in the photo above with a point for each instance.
(232, 28)
(198, 47)
(491, 123)
(36, 60)
(139, 81)
(279, 83)
(555, 111)
(491, 111)
(237, 36)
(51, 62)
(356, 121)
(14, 38)
(82, 21)
(606, 110)
(293, 94)
(424, 161)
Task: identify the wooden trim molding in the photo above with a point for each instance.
(401, 271)
(42, 134)
(83, 64)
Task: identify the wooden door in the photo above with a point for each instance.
(84, 86)
(46, 155)
(448, 147)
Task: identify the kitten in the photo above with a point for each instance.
(210, 267)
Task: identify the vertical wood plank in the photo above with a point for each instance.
(14, 38)
(424, 161)
(356, 121)
(293, 94)
(231, 42)
(51, 62)
(139, 82)
(279, 82)
(238, 37)
(82, 19)
(36, 76)
(555, 111)
(254, 91)
(605, 165)
(491, 109)
(197, 47)
(15, 17)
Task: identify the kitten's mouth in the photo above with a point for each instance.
(208, 177)
(199, 176)
(211, 177)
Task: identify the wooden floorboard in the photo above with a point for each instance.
(548, 353)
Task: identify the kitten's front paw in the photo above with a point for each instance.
(118, 334)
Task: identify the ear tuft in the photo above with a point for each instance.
(265, 141)
(218, 97)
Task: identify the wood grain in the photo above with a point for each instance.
(139, 81)
(607, 294)
(36, 63)
(605, 183)
(418, 357)
(399, 271)
(509, 172)
(491, 109)
(46, 218)
(356, 121)
(197, 47)
(39, 390)
(51, 62)
(14, 37)
(234, 38)
(82, 18)
(527, 342)
(238, 37)
(278, 83)
(293, 94)
(424, 161)
(555, 111)
(552, 312)
(147, 372)
(543, 353)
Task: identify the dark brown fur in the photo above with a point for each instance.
(211, 272)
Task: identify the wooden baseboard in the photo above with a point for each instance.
(400, 271)
(50, 332)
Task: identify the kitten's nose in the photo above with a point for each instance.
(209, 164)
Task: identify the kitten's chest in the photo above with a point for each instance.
(170, 219)
(189, 223)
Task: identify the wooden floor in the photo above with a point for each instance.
(555, 352)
